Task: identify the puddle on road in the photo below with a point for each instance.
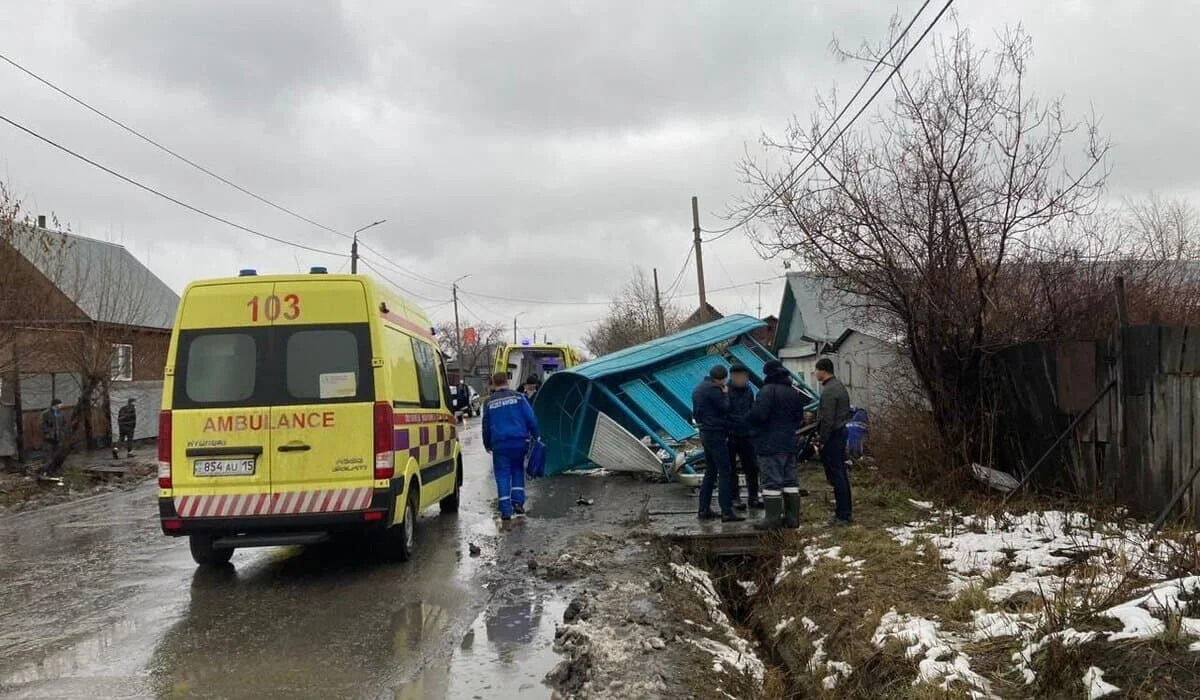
(506, 653)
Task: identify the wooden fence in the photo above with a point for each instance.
(1136, 446)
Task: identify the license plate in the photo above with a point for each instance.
(223, 467)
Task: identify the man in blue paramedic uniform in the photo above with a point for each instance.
(508, 428)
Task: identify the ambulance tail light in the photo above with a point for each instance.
(385, 445)
(164, 450)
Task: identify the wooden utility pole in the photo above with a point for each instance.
(457, 330)
(658, 309)
(699, 258)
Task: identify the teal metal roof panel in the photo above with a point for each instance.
(745, 355)
(681, 380)
(662, 349)
(658, 410)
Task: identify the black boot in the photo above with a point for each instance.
(771, 520)
(791, 510)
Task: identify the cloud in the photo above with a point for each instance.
(239, 55)
(544, 147)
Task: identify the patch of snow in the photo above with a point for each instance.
(738, 653)
(923, 505)
(916, 633)
(1138, 616)
(1068, 638)
(784, 624)
(817, 661)
(944, 663)
(809, 626)
(840, 669)
(1093, 681)
(785, 567)
(995, 625)
(750, 587)
(1029, 551)
(1194, 646)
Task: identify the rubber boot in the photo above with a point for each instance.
(791, 510)
(771, 518)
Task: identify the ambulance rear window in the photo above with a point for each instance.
(221, 368)
(322, 364)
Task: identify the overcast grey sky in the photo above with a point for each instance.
(544, 147)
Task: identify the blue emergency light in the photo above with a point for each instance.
(247, 272)
(318, 270)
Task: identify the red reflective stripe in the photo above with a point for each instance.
(409, 325)
(364, 499)
(326, 500)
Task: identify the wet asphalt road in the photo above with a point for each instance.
(95, 602)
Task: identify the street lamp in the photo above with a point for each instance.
(354, 245)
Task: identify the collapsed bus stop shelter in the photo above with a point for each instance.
(632, 410)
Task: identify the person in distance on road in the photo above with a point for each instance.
(126, 424)
(741, 446)
(55, 438)
(710, 410)
(832, 417)
(777, 415)
(508, 428)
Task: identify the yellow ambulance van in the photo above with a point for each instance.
(298, 407)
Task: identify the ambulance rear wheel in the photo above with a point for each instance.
(204, 554)
(449, 504)
(401, 537)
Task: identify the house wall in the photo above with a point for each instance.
(873, 370)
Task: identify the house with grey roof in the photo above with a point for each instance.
(78, 316)
(817, 320)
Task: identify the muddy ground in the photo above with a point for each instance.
(575, 601)
(84, 474)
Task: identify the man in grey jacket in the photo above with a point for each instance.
(832, 417)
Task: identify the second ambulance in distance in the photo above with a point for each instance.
(296, 407)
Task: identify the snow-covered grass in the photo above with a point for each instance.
(921, 601)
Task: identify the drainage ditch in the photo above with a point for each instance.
(743, 582)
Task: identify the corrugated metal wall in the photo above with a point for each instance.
(147, 397)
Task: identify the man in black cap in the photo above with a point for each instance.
(710, 410)
(777, 414)
(533, 384)
(741, 446)
(832, 417)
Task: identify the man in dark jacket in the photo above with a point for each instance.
(54, 438)
(533, 384)
(777, 415)
(508, 428)
(741, 446)
(832, 417)
(126, 424)
(710, 410)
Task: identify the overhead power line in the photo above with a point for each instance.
(383, 276)
(879, 63)
(385, 261)
(167, 150)
(682, 269)
(167, 197)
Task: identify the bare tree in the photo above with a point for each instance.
(488, 336)
(936, 210)
(632, 318)
(112, 289)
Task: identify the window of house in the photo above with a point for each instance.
(121, 365)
